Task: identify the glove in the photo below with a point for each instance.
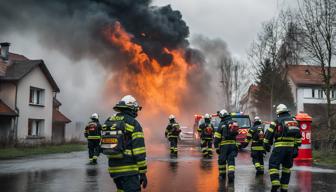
(143, 180)
(295, 152)
(217, 151)
(267, 147)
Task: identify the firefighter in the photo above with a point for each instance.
(285, 134)
(127, 160)
(256, 134)
(172, 133)
(92, 134)
(206, 131)
(226, 145)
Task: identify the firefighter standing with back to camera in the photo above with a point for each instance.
(225, 144)
(172, 133)
(206, 131)
(285, 134)
(256, 134)
(92, 133)
(123, 143)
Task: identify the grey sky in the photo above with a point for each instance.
(235, 21)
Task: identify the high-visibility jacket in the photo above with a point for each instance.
(206, 130)
(222, 134)
(133, 159)
(278, 138)
(93, 130)
(173, 130)
(254, 135)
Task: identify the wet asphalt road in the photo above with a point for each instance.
(188, 173)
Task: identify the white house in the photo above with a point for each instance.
(27, 100)
(306, 84)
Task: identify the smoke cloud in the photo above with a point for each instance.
(77, 29)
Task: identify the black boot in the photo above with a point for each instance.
(259, 172)
(231, 177)
(274, 188)
(222, 176)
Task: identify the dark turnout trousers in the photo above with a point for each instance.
(94, 149)
(227, 155)
(281, 156)
(129, 183)
(173, 145)
(206, 147)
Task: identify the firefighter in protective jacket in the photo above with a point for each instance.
(92, 133)
(123, 143)
(172, 133)
(226, 145)
(206, 131)
(256, 134)
(284, 132)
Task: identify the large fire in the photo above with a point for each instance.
(158, 87)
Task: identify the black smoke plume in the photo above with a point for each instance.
(75, 26)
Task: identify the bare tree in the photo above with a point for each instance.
(270, 54)
(233, 81)
(317, 19)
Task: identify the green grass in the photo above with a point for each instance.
(12, 153)
(324, 158)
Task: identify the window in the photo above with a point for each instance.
(320, 94)
(35, 127)
(36, 96)
(307, 93)
(313, 93)
(333, 94)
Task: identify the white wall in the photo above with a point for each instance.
(37, 79)
(7, 94)
(301, 99)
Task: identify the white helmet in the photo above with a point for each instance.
(171, 117)
(257, 119)
(94, 116)
(207, 116)
(223, 113)
(128, 101)
(281, 108)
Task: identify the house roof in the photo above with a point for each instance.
(5, 110)
(58, 117)
(20, 68)
(56, 103)
(308, 74)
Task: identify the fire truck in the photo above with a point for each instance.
(243, 121)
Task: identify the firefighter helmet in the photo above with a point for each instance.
(128, 102)
(171, 117)
(281, 108)
(207, 116)
(223, 113)
(95, 116)
(257, 119)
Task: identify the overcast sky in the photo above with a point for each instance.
(235, 21)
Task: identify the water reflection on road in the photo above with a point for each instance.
(189, 172)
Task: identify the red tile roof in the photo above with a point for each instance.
(58, 117)
(5, 110)
(308, 74)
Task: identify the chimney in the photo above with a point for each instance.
(5, 50)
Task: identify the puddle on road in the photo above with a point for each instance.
(186, 173)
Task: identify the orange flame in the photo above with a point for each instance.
(159, 88)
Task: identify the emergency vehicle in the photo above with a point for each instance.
(243, 121)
